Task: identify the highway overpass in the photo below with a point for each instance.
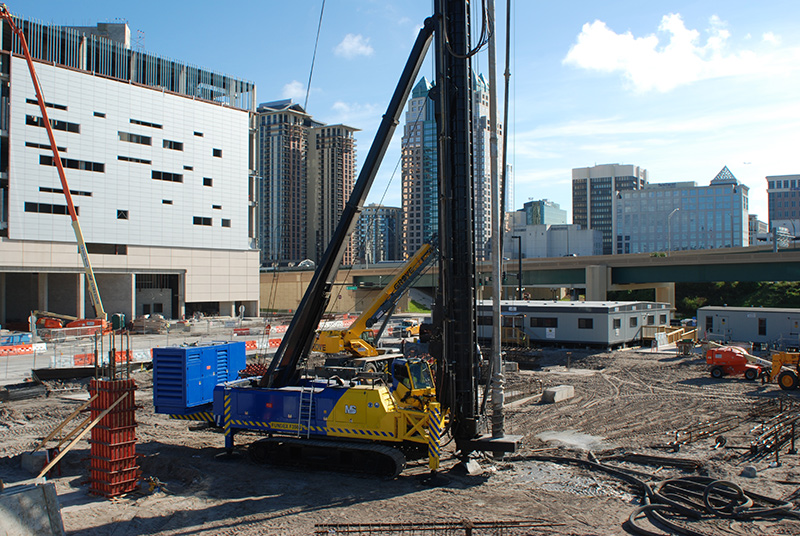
(596, 274)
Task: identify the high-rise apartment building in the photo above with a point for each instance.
(283, 206)
(544, 212)
(420, 186)
(420, 202)
(682, 216)
(783, 192)
(331, 177)
(593, 189)
(306, 171)
(157, 157)
(378, 234)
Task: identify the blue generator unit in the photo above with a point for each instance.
(184, 377)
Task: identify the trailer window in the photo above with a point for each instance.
(762, 326)
(709, 324)
(617, 323)
(634, 322)
(544, 322)
(585, 323)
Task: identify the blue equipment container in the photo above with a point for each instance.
(184, 377)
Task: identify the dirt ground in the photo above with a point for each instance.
(625, 402)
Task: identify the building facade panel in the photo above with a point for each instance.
(157, 156)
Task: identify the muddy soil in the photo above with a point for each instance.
(626, 402)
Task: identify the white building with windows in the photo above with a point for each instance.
(682, 216)
(157, 156)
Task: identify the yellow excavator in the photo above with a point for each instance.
(353, 349)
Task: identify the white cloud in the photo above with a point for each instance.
(650, 63)
(352, 46)
(294, 90)
(363, 116)
(770, 37)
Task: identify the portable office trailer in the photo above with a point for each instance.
(576, 322)
(763, 325)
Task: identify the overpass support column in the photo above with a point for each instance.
(597, 277)
(665, 293)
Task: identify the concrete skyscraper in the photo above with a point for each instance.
(593, 189)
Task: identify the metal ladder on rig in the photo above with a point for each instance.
(305, 410)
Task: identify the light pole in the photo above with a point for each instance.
(519, 272)
(669, 230)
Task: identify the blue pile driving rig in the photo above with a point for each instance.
(370, 423)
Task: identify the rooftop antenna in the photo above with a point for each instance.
(138, 42)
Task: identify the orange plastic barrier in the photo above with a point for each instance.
(85, 360)
(16, 349)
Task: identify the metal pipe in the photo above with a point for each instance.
(498, 395)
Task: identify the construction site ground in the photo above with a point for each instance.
(627, 401)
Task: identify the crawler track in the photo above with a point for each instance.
(341, 456)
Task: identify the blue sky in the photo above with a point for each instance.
(680, 88)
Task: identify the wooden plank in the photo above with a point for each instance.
(64, 423)
(80, 436)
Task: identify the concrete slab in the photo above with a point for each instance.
(30, 510)
(558, 393)
(34, 462)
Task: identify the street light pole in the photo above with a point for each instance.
(669, 230)
(519, 272)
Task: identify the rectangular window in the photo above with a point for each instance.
(47, 104)
(651, 320)
(135, 138)
(207, 181)
(49, 190)
(226, 223)
(47, 208)
(174, 145)
(762, 327)
(134, 159)
(198, 220)
(107, 249)
(544, 322)
(66, 126)
(216, 207)
(70, 163)
(99, 114)
(158, 307)
(166, 176)
(198, 134)
(122, 214)
(188, 168)
(44, 146)
(166, 201)
(217, 153)
(146, 123)
(634, 322)
(662, 319)
(585, 323)
(617, 322)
